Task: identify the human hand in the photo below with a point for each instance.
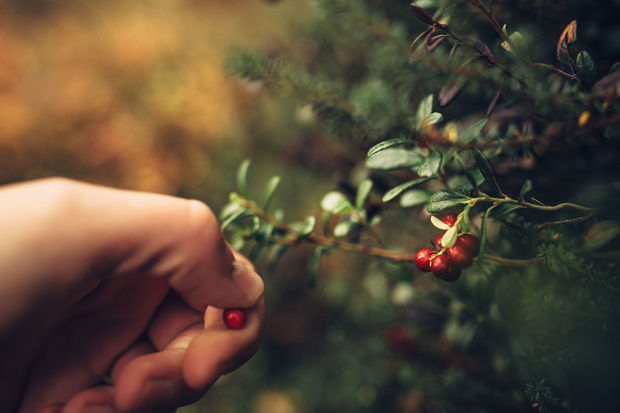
(98, 282)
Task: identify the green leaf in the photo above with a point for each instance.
(517, 40)
(336, 203)
(312, 269)
(586, 70)
(473, 131)
(305, 228)
(464, 223)
(486, 171)
(391, 159)
(483, 232)
(343, 228)
(501, 210)
(431, 119)
(449, 238)
(600, 234)
(232, 218)
(413, 198)
(362, 193)
(525, 189)
(242, 176)
(425, 108)
(390, 143)
(397, 190)
(439, 224)
(431, 164)
(442, 200)
(270, 189)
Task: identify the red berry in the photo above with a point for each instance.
(470, 242)
(460, 255)
(442, 268)
(438, 239)
(234, 318)
(422, 259)
(450, 219)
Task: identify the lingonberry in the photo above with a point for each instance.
(470, 242)
(450, 219)
(423, 259)
(442, 268)
(438, 239)
(234, 318)
(460, 255)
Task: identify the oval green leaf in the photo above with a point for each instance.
(397, 190)
(442, 200)
(336, 203)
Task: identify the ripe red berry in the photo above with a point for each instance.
(460, 255)
(450, 219)
(438, 239)
(234, 318)
(470, 242)
(442, 268)
(423, 259)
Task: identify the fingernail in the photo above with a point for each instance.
(248, 281)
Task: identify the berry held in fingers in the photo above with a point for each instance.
(234, 318)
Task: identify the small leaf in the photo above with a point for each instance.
(431, 164)
(242, 176)
(432, 119)
(391, 159)
(517, 39)
(464, 223)
(305, 228)
(312, 270)
(473, 131)
(449, 92)
(232, 218)
(343, 228)
(485, 169)
(439, 223)
(501, 210)
(390, 143)
(569, 35)
(525, 189)
(362, 193)
(413, 198)
(336, 203)
(600, 234)
(421, 14)
(484, 50)
(397, 190)
(425, 108)
(270, 189)
(449, 238)
(586, 70)
(442, 200)
(483, 232)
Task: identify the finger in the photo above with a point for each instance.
(154, 380)
(93, 232)
(218, 349)
(172, 317)
(94, 399)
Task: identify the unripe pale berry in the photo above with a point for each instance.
(423, 258)
(234, 318)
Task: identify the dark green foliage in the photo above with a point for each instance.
(476, 108)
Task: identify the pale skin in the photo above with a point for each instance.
(111, 300)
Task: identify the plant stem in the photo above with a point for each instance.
(508, 200)
(509, 261)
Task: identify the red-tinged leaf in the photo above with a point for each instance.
(569, 35)
(435, 41)
(448, 93)
(606, 82)
(484, 50)
(421, 14)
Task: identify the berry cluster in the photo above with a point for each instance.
(447, 262)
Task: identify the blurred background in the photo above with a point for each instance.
(135, 95)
